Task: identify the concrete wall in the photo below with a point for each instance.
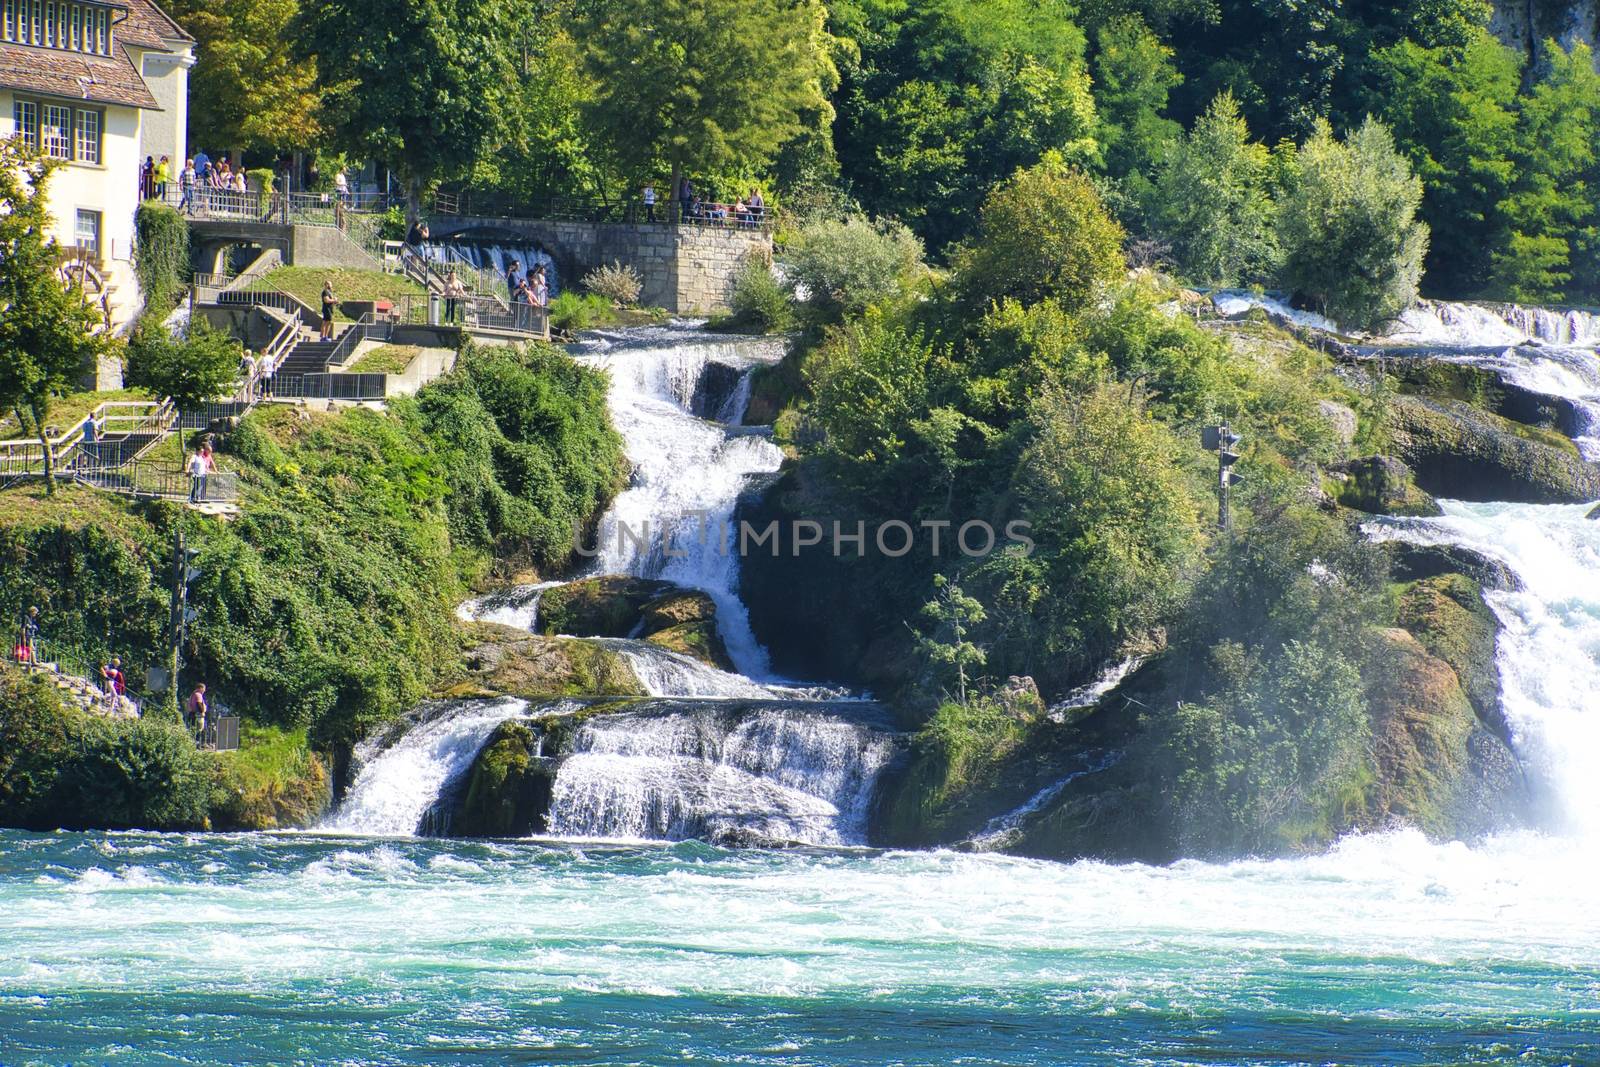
(165, 132)
(325, 246)
(685, 268)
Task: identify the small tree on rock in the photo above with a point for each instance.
(949, 648)
(1353, 244)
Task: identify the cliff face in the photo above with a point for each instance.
(1523, 23)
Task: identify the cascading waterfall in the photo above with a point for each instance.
(674, 521)
(1548, 653)
(762, 771)
(396, 782)
(494, 255)
(734, 757)
(1435, 322)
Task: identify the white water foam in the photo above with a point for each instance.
(1001, 830)
(1548, 653)
(1238, 301)
(1435, 322)
(777, 772)
(517, 606)
(394, 786)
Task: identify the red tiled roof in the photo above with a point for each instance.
(74, 75)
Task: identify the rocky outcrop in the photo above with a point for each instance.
(1435, 765)
(1381, 485)
(1420, 374)
(1523, 25)
(504, 660)
(662, 613)
(1459, 451)
(508, 787)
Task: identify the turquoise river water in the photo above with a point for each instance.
(289, 949)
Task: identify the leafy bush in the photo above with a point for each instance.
(160, 255)
(1045, 233)
(1352, 241)
(759, 300)
(62, 768)
(393, 226)
(619, 283)
(571, 311)
(261, 178)
(841, 266)
(202, 366)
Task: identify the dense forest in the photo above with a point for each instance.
(1184, 112)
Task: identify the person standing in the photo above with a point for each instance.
(454, 293)
(111, 675)
(90, 446)
(160, 176)
(28, 640)
(538, 288)
(327, 309)
(197, 477)
(341, 186)
(196, 713)
(147, 182)
(186, 183)
(685, 197)
(650, 201)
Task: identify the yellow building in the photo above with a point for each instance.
(98, 86)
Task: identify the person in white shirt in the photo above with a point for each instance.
(197, 468)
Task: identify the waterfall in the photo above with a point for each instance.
(396, 783)
(1002, 830)
(1437, 322)
(1548, 650)
(494, 254)
(771, 772)
(675, 519)
(516, 606)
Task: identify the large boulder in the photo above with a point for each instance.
(1381, 485)
(502, 660)
(685, 621)
(1457, 450)
(597, 607)
(508, 788)
(1434, 764)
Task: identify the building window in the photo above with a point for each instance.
(88, 136)
(56, 24)
(50, 24)
(78, 42)
(87, 233)
(25, 116)
(56, 132)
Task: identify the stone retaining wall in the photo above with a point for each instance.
(686, 269)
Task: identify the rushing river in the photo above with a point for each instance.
(372, 946)
(145, 949)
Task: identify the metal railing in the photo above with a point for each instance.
(327, 385)
(668, 211)
(160, 481)
(125, 424)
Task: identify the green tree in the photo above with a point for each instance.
(49, 331)
(701, 85)
(1352, 242)
(950, 648)
(424, 84)
(1045, 233)
(193, 370)
(249, 89)
(1552, 208)
(1213, 201)
(941, 100)
(1134, 74)
(1453, 112)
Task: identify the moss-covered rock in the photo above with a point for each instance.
(1421, 375)
(685, 621)
(1381, 485)
(1460, 451)
(598, 607)
(504, 660)
(508, 787)
(1434, 764)
(272, 782)
(1447, 615)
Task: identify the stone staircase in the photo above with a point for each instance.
(87, 695)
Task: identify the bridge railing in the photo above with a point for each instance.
(667, 211)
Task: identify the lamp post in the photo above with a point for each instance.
(1222, 441)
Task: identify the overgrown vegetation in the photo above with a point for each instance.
(160, 255)
(618, 282)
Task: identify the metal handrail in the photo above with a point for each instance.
(668, 211)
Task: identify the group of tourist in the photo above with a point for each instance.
(113, 683)
(748, 210)
(527, 293)
(153, 178)
(202, 182)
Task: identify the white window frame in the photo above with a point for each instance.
(25, 120)
(87, 135)
(55, 131)
(8, 20)
(98, 219)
